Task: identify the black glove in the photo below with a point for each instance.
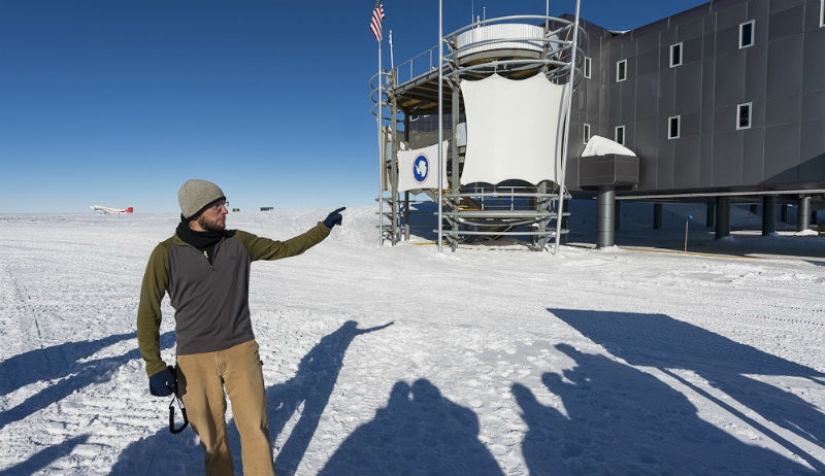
(334, 218)
(163, 383)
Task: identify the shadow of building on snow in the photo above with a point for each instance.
(653, 340)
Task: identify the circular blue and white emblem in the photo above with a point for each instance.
(421, 168)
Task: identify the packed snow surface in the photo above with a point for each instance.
(400, 360)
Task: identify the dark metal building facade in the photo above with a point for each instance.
(725, 99)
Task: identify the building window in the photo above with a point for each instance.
(588, 65)
(746, 34)
(675, 55)
(744, 116)
(618, 135)
(674, 126)
(586, 133)
(621, 70)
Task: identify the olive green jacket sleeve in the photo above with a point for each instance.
(260, 248)
(152, 291)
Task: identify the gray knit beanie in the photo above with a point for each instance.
(195, 195)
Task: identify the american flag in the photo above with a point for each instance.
(377, 16)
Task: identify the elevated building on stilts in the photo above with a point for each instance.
(720, 104)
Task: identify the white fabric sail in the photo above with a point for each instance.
(418, 168)
(514, 129)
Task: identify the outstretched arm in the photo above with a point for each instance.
(261, 248)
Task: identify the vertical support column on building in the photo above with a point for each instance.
(768, 215)
(783, 214)
(657, 216)
(407, 216)
(804, 214)
(396, 232)
(710, 214)
(565, 207)
(722, 217)
(454, 174)
(617, 219)
(406, 194)
(605, 204)
(541, 240)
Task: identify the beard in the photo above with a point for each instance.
(214, 224)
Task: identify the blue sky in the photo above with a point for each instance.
(117, 103)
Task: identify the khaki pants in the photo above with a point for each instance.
(202, 379)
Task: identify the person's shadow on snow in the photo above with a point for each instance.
(61, 361)
(50, 363)
(46, 456)
(162, 453)
(620, 420)
(656, 340)
(53, 363)
(419, 432)
(311, 386)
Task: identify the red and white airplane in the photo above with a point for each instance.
(98, 208)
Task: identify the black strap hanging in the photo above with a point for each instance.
(176, 398)
(172, 427)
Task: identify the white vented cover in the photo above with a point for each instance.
(493, 37)
(514, 129)
(418, 168)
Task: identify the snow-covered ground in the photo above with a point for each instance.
(405, 361)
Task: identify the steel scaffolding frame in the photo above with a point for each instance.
(474, 212)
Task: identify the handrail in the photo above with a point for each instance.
(412, 69)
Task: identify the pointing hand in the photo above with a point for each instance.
(334, 218)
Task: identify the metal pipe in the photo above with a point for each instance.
(394, 162)
(406, 193)
(605, 202)
(381, 162)
(657, 216)
(768, 214)
(455, 116)
(804, 214)
(440, 117)
(722, 194)
(570, 83)
(710, 214)
(722, 217)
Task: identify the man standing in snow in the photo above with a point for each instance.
(205, 269)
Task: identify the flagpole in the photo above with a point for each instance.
(440, 117)
(375, 28)
(380, 152)
(392, 60)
